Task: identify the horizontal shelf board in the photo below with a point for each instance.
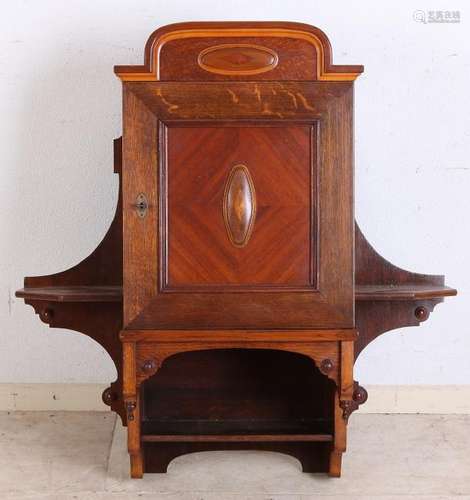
(114, 293)
(402, 292)
(72, 293)
(255, 429)
(207, 438)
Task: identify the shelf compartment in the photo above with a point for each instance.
(211, 438)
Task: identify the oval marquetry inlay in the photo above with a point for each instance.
(239, 207)
(237, 59)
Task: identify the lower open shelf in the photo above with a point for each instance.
(318, 430)
(260, 438)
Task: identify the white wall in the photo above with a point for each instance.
(60, 109)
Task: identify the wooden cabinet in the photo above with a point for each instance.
(234, 291)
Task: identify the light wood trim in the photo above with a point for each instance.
(154, 73)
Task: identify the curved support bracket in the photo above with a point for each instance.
(377, 317)
(99, 321)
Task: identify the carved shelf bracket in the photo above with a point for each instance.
(359, 397)
(130, 408)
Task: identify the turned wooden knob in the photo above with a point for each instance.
(421, 313)
(149, 366)
(326, 365)
(108, 396)
(46, 315)
(360, 395)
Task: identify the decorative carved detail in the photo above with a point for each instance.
(46, 315)
(348, 407)
(130, 407)
(326, 366)
(109, 396)
(149, 366)
(239, 205)
(237, 59)
(376, 317)
(359, 397)
(421, 313)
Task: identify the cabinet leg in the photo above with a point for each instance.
(133, 437)
(137, 465)
(339, 443)
(335, 463)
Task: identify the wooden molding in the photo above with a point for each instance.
(150, 71)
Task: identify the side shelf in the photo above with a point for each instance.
(88, 297)
(388, 297)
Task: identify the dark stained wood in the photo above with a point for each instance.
(373, 270)
(101, 321)
(104, 266)
(114, 293)
(388, 297)
(208, 438)
(234, 295)
(402, 292)
(72, 293)
(237, 391)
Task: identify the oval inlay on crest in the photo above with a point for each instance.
(237, 59)
(239, 206)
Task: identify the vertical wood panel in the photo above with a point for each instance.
(140, 171)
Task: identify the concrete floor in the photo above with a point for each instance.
(75, 455)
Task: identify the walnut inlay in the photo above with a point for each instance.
(237, 59)
(239, 206)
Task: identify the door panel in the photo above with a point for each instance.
(239, 207)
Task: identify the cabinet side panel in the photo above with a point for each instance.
(140, 169)
(336, 205)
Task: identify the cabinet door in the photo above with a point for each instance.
(249, 223)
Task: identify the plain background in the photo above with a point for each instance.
(60, 110)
